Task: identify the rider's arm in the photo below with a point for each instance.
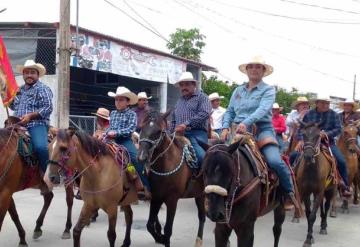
(203, 113)
(129, 128)
(336, 130)
(45, 97)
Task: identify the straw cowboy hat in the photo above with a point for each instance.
(299, 100)
(143, 95)
(349, 102)
(103, 113)
(30, 64)
(185, 76)
(215, 96)
(257, 60)
(123, 91)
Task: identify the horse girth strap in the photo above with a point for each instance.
(247, 189)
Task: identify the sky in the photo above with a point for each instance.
(314, 46)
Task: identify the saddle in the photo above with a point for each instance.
(333, 176)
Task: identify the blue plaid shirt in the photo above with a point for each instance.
(193, 111)
(36, 98)
(329, 122)
(123, 122)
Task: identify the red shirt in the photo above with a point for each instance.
(278, 122)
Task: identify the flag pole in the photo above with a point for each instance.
(7, 111)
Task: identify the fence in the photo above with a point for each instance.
(85, 123)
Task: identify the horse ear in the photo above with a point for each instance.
(166, 114)
(233, 147)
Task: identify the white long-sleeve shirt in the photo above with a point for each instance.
(217, 116)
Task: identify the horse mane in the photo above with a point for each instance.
(5, 135)
(91, 145)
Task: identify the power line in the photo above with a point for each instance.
(142, 18)
(132, 18)
(273, 34)
(287, 17)
(322, 7)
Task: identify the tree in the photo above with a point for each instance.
(187, 43)
(286, 99)
(213, 84)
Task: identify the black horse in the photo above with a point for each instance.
(234, 195)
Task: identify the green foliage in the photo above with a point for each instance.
(286, 99)
(213, 84)
(187, 43)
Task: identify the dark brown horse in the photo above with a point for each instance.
(169, 175)
(15, 176)
(234, 193)
(314, 177)
(103, 183)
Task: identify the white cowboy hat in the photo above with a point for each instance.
(276, 106)
(350, 102)
(143, 95)
(103, 113)
(185, 76)
(123, 91)
(301, 99)
(30, 64)
(257, 60)
(214, 96)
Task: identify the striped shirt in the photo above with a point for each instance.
(193, 111)
(329, 122)
(36, 98)
(123, 122)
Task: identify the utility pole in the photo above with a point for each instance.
(63, 92)
(354, 90)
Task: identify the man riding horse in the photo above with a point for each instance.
(33, 105)
(251, 104)
(191, 114)
(329, 123)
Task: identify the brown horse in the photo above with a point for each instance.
(234, 193)
(313, 178)
(169, 175)
(347, 144)
(102, 183)
(16, 175)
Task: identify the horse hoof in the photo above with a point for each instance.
(37, 234)
(198, 242)
(323, 232)
(333, 214)
(66, 235)
(295, 220)
(23, 245)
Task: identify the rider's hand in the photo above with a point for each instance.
(111, 134)
(224, 134)
(26, 118)
(241, 129)
(299, 146)
(180, 128)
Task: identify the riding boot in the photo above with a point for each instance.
(78, 195)
(345, 191)
(291, 202)
(144, 195)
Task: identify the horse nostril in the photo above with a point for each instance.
(220, 216)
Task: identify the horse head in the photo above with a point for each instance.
(153, 130)
(60, 149)
(311, 136)
(218, 171)
(349, 134)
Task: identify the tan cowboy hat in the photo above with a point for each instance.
(185, 76)
(257, 60)
(103, 113)
(299, 100)
(30, 64)
(143, 95)
(123, 91)
(349, 102)
(215, 96)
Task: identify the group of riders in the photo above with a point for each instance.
(251, 110)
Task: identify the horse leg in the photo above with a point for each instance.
(333, 212)
(40, 220)
(128, 219)
(356, 190)
(112, 216)
(222, 233)
(311, 217)
(345, 206)
(69, 201)
(84, 220)
(245, 235)
(153, 222)
(279, 218)
(324, 211)
(15, 218)
(200, 204)
(171, 205)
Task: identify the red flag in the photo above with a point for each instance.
(8, 86)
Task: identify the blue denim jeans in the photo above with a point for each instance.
(340, 161)
(280, 141)
(194, 136)
(39, 141)
(127, 142)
